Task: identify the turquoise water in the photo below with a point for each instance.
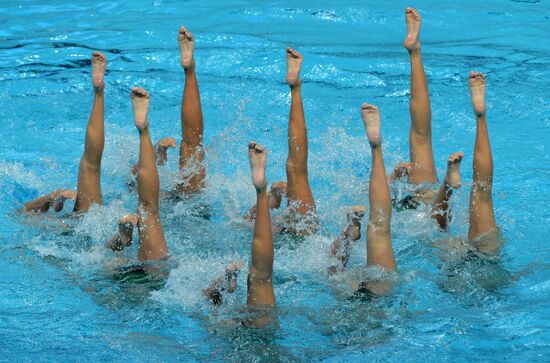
(60, 295)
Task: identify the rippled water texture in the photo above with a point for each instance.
(60, 298)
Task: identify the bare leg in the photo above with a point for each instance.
(55, 199)
(440, 209)
(298, 190)
(482, 217)
(420, 136)
(123, 237)
(89, 183)
(161, 152)
(342, 245)
(274, 196)
(152, 242)
(192, 128)
(379, 248)
(227, 282)
(260, 275)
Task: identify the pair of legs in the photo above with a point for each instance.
(422, 169)
(379, 247)
(89, 172)
(151, 235)
(191, 155)
(297, 188)
(260, 273)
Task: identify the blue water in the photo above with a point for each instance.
(59, 297)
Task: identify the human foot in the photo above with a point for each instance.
(353, 231)
(123, 237)
(187, 47)
(453, 170)
(99, 62)
(293, 64)
(59, 197)
(371, 119)
(476, 81)
(231, 272)
(412, 39)
(258, 158)
(140, 104)
(401, 170)
(161, 149)
(276, 193)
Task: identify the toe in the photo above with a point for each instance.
(99, 56)
(260, 148)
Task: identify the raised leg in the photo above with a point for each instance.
(89, 172)
(161, 152)
(260, 275)
(482, 217)
(342, 245)
(440, 208)
(192, 128)
(298, 189)
(420, 135)
(151, 235)
(379, 247)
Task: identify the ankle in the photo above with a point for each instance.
(190, 69)
(262, 189)
(376, 146)
(144, 130)
(414, 52)
(296, 86)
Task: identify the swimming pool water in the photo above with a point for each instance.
(60, 298)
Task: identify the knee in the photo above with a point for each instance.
(296, 166)
(421, 137)
(380, 226)
(90, 166)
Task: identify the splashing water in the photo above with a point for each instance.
(64, 294)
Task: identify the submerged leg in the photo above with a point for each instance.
(192, 128)
(298, 188)
(89, 184)
(342, 245)
(420, 136)
(379, 247)
(482, 217)
(440, 208)
(260, 275)
(152, 242)
(55, 199)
